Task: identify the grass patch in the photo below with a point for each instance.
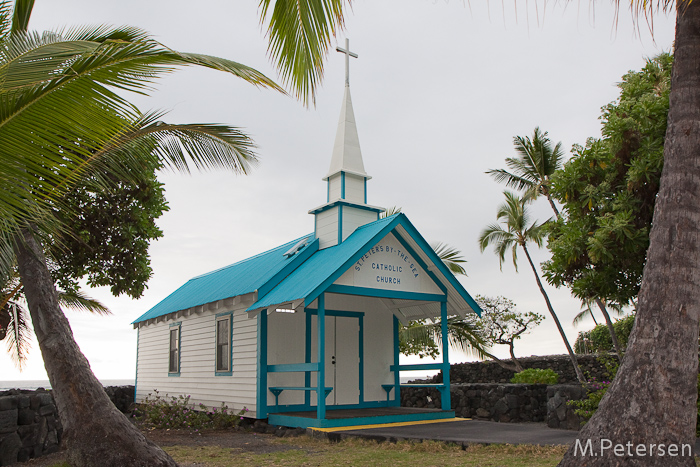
(306, 451)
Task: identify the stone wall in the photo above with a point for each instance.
(492, 372)
(29, 424)
(504, 402)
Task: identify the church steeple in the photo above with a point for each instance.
(346, 205)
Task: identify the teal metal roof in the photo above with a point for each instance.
(279, 280)
(326, 263)
(236, 279)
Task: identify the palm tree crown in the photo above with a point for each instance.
(518, 231)
(536, 162)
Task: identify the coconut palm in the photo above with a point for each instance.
(585, 312)
(14, 317)
(518, 232)
(536, 162)
(61, 120)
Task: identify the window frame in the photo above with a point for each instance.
(220, 317)
(174, 327)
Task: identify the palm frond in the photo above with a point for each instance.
(299, 35)
(511, 180)
(78, 300)
(22, 13)
(450, 256)
(18, 343)
(5, 19)
(390, 212)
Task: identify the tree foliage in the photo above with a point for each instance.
(502, 324)
(608, 190)
(598, 339)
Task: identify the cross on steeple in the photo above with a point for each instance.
(348, 54)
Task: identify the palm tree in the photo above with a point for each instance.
(532, 169)
(61, 120)
(585, 311)
(14, 322)
(518, 232)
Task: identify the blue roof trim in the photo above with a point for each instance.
(324, 263)
(323, 268)
(297, 260)
(264, 270)
(343, 202)
(358, 254)
(428, 250)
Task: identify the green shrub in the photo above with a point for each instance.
(536, 376)
(585, 408)
(599, 337)
(176, 412)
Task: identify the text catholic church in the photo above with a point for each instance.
(307, 334)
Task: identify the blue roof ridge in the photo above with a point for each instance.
(250, 258)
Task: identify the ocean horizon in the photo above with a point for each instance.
(44, 383)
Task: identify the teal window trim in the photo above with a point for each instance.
(366, 192)
(177, 325)
(342, 185)
(328, 190)
(220, 317)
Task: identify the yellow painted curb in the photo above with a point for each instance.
(386, 425)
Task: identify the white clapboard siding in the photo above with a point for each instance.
(378, 352)
(354, 218)
(197, 377)
(286, 334)
(334, 187)
(327, 227)
(355, 189)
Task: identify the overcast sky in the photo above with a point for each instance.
(439, 90)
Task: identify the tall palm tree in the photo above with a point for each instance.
(518, 232)
(61, 120)
(531, 171)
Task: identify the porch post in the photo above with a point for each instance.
(262, 368)
(397, 377)
(321, 378)
(446, 403)
(307, 357)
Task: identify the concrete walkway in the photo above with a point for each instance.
(458, 431)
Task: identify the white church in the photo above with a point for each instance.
(307, 334)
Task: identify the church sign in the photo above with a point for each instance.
(388, 265)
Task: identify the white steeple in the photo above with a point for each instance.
(347, 156)
(346, 205)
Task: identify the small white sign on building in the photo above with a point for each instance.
(389, 266)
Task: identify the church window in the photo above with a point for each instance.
(223, 345)
(174, 350)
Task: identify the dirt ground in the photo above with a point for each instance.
(246, 441)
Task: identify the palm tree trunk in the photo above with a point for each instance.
(554, 207)
(95, 432)
(572, 355)
(652, 400)
(608, 321)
